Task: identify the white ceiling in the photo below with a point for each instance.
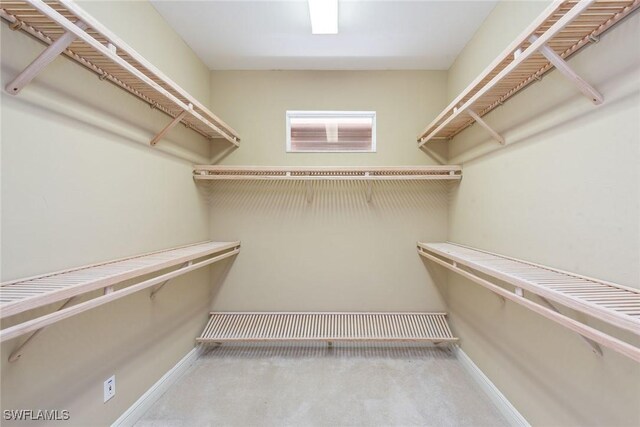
(373, 34)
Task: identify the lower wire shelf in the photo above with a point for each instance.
(76, 288)
(329, 327)
(614, 304)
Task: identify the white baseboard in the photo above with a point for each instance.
(142, 405)
(499, 400)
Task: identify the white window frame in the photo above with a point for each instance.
(320, 114)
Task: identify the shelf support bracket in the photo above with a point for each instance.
(485, 125)
(595, 347)
(15, 354)
(44, 59)
(562, 66)
(177, 119)
(155, 290)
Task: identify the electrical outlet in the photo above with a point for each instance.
(110, 388)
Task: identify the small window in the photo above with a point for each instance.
(331, 131)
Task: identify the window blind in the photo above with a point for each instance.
(337, 131)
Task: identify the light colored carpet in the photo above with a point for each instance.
(249, 385)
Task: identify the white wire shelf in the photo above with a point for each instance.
(71, 31)
(22, 295)
(614, 304)
(330, 327)
(563, 29)
(344, 173)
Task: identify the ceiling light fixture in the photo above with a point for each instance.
(324, 16)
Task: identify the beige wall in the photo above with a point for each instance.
(564, 192)
(255, 103)
(80, 185)
(337, 252)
